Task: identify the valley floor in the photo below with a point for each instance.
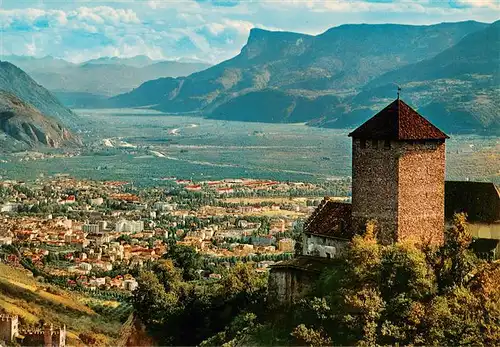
(144, 146)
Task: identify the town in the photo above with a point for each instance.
(96, 235)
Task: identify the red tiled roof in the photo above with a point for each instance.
(398, 121)
(331, 218)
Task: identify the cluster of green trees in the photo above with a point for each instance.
(249, 258)
(398, 295)
(375, 294)
(181, 312)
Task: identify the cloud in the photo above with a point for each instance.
(31, 19)
(215, 28)
(212, 30)
(222, 3)
(82, 17)
(349, 6)
(31, 47)
(241, 27)
(491, 4)
(104, 15)
(184, 5)
(121, 49)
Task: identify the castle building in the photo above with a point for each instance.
(398, 185)
(47, 337)
(9, 327)
(398, 173)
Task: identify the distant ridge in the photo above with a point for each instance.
(322, 80)
(88, 83)
(458, 89)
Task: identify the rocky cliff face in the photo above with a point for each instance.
(22, 126)
(19, 83)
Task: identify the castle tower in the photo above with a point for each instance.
(398, 171)
(61, 337)
(48, 329)
(9, 327)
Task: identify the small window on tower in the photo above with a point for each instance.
(375, 144)
(362, 143)
(387, 144)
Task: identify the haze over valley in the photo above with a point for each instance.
(90, 82)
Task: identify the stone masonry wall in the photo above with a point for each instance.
(421, 192)
(374, 187)
(400, 185)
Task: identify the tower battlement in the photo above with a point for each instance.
(9, 327)
(48, 336)
(8, 317)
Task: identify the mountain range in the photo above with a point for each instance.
(458, 89)
(448, 71)
(79, 85)
(30, 116)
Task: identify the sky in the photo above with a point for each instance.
(206, 30)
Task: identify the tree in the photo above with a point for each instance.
(310, 337)
(401, 294)
(125, 238)
(242, 278)
(152, 303)
(456, 260)
(168, 275)
(185, 258)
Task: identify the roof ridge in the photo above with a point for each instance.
(398, 118)
(409, 125)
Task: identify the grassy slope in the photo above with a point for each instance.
(32, 300)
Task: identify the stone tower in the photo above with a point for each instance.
(9, 327)
(48, 329)
(398, 172)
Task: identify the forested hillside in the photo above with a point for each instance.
(458, 89)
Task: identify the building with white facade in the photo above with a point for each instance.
(126, 226)
(91, 228)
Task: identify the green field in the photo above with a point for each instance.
(202, 149)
